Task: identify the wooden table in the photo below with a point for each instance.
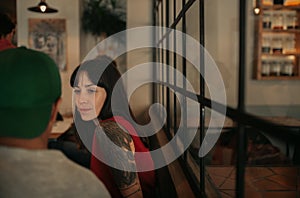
(60, 127)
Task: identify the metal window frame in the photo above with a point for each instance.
(237, 114)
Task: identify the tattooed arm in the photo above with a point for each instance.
(127, 182)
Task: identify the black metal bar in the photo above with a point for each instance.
(156, 4)
(241, 144)
(168, 72)
(184, 111)
(241, 161)
(175, 66)
(154, 51)
(162, 53)
(180, 15)
(159, 56)
(202, 92)
(242, 56)
(185, 8)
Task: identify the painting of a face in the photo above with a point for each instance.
(49, 36)
(89, 98)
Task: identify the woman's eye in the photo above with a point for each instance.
(76, 91)
(91, 90)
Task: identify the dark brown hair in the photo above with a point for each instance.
(6, 25)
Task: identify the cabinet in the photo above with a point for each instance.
(278, 42)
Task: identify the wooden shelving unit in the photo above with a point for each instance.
(278, 43)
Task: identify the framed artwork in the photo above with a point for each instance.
(49, 36)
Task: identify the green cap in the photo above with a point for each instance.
(30, 85)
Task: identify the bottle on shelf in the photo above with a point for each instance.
(295, 21)
(291, 20)
(287, 68)
(277, 21)
(266, 44)
(267, 22)
(289, 44)
(265, 68)
(275, 68)
(277, 45)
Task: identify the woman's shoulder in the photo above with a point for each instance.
(109, 123)
(117, 134)
(116, 123)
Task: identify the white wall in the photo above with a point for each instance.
(221, 41)
(71, 14)
(139, 13)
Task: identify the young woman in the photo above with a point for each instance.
(92, 96)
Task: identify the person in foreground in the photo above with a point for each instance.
(30, 95)
(93, 108)
(7, 31)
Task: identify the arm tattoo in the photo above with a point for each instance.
(122, 139)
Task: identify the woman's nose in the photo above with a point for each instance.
(82, 98)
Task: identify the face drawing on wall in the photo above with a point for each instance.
(49, 36)
(39, 42)
(51, 46)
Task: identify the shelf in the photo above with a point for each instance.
(288, 40)
(279, 78)
(280, 55)
(288, 31)
(280, 7)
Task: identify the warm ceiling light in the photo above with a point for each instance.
(256, 7)
(256, 11)
(42, 7)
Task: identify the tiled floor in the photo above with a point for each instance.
(260, 182)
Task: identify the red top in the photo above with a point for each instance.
(5, 44)
(103, 172)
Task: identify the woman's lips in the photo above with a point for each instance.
(84, 110)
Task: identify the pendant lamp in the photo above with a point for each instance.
(42, 7)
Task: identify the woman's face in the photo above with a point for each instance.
(89, 98)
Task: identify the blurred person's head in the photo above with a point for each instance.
(7, 27)
(29, 97)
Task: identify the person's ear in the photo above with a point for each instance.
(55, 109)
(10, 35)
